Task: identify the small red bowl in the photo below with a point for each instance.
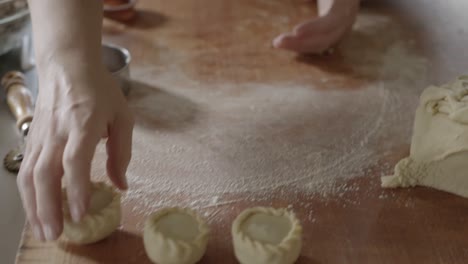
(121, 10)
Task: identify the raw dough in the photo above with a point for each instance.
(175, 236)
(102, 219)
(439, 148)
(266, 236)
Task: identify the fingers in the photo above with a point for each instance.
(27, 191)
(279, 41)
(318, 26)
(119, 150)
(313, 36)
(47, 181)
(77, 158)
(317, 35)
(303, 45)
(39, 182)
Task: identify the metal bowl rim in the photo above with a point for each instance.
(122, 50)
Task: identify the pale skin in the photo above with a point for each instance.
(336, 18)
(79, 104)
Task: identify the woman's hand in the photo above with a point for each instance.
(336, 18)
(79, 103)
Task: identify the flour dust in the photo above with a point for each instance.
(206, 145)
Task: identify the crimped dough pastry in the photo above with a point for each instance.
(175, 236)
(103, 216)
(264, 235)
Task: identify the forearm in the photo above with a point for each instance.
(66, 28)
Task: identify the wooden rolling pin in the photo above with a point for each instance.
(19, 99)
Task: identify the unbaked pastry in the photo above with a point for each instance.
(267, 236)
(103, 216)
(439, 147)
(175, 236)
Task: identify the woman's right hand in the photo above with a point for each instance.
(78, 104)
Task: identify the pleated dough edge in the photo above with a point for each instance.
(97, 226)
(286, 247)
(182, 249)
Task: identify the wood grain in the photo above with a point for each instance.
(214, 42)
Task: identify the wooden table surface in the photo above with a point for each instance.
(353, 110)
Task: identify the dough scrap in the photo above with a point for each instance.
(103, 216)
(439, 147)
(175, 236)
(264, 235)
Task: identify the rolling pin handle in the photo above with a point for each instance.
(19, 99)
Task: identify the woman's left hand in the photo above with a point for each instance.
(336, 18)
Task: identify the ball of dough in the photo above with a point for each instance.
(103, 216)
(439, 145)
(266, 236)
(175, 236)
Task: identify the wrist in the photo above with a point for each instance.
(69, 62)
(66, 55)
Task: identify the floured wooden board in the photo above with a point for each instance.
(225, 122)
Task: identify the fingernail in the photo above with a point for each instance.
(124, 182)
(76, 213)
(49, 233)
(38, 233)
(277, 42)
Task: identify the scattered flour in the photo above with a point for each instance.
(206, 146)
